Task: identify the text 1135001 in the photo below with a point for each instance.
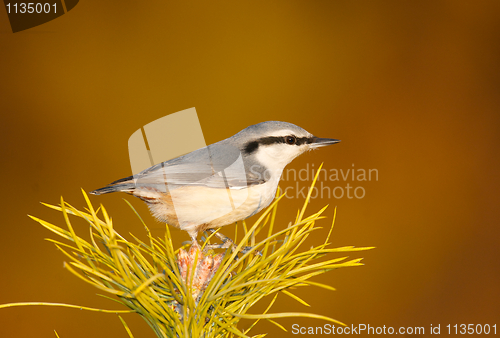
(31, 8)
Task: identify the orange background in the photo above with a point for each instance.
(411, 88)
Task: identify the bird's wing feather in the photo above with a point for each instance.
(217, 166)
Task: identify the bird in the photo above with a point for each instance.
(222, 183)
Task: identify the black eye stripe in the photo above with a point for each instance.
(303, 140)
(252, 146)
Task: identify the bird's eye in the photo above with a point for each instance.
(290, 139)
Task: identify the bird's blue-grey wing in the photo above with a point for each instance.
(219, 165)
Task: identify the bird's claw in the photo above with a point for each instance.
(247, 249)
(227, 244)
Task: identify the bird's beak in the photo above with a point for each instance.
(321, 142)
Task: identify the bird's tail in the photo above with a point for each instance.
(125, 185)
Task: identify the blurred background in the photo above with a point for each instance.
(411, 88)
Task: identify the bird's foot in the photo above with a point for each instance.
(233, 247)
(246, 249)
(228, 243)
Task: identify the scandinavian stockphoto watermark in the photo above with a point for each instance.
(331, 182)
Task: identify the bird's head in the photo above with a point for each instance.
(274, 144)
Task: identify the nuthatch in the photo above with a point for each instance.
(222, 183)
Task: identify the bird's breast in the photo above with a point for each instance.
(192, 207)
